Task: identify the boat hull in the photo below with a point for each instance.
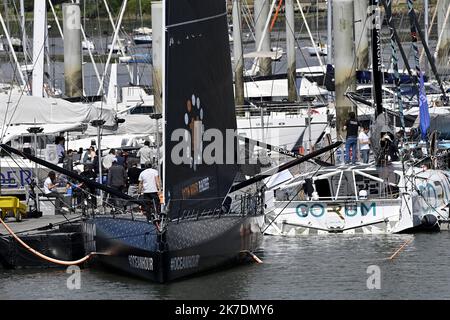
(188, 247)
(357, 217)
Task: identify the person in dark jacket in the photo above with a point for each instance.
(352, 127)
(117, 179)
(133, 179)
(88, 192)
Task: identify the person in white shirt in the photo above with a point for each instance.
(145, 154)
(364, 144)
(149, 185)
(108, 159)
(50, 189)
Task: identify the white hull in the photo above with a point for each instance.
(322, 50)
(309, 217)
(423, 206)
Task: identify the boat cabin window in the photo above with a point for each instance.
(323, 189)
(352, 183)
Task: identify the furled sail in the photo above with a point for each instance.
(199, 107)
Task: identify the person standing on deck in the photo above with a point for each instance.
(117, 178)
(108, 159)
(133, 179)
(145, 154)
(150, 185)
(364, 144)
(352, 126)
(50, 189)
(60, 151)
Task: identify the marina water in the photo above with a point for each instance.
(312, 267)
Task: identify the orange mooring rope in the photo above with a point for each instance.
(40, 255)
(399, 249)
(276, 15)
(254, 256)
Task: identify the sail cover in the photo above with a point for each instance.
(199, 103)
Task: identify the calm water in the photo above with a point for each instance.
(314, 267)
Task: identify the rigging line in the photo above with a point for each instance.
(430, 28)
(249, 20)
(280, 2)
(297, 41)
(220, 15)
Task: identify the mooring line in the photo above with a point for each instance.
(42, 256)
(254, 256)
(399, 249)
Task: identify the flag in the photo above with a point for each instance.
(423, 109)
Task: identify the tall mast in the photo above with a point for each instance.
(443, 47)
(377, 74)
(361, 36)
(6, 8)
(238, 55)
(290, 47)
(24, 32)
(157, 51)
(425, 26)
(73, 77)
(140, 13)
(39, 35)
(261, 12)
(394, 60)
(329, 32)
(344, 57)
(416, 32)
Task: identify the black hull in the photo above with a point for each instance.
(188, 247)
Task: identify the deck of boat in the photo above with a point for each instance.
(34, 225)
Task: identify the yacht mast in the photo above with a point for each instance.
(290, 47)
(425, 26)
(261, 11)
(394, 61)
(377, 74)
(73, 78)
(329, 32)
(443, 47)
(238, 55)
(344, 57)
(39, 34)
(361, 35)
(24, 32)
(157, 51)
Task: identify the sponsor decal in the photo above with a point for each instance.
(318, 210)
(195, 188)
(143, 263)
(186, 262)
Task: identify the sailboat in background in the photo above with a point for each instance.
(142, 35)
(387, 196)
